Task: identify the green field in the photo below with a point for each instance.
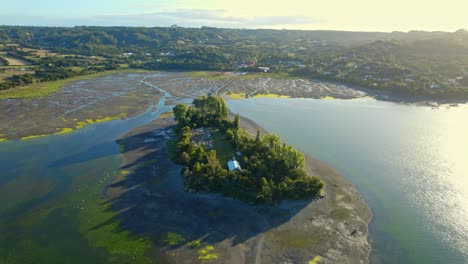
(224, 149)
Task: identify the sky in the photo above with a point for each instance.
(354, 15)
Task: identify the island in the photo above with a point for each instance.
(271, 170)
(183, 220)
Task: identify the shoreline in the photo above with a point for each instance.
(320, 170)
(334, 228)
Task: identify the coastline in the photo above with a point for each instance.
(334, 181)
(151, 202)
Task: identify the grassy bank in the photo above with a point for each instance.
(275, 75)
(46, 88)
(78, 125)
(209, 75)
(238, 96)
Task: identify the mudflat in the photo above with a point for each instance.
(127, 94)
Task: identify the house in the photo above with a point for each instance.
(265, 69)
(233, 164)
(434, 86)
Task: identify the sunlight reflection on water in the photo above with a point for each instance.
(409, 162)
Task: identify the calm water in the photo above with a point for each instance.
(409, 162)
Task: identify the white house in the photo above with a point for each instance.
(234, 165)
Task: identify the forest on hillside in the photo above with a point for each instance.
(429, 64)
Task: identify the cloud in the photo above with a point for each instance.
(181, 17)
(283, 20)
(203, 17)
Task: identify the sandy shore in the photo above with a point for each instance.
(210, 228)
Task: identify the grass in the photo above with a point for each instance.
(194, 244)
(276, 75)
(209, 75)
(79, 125)
(207, 253)
(236, 96)
(224, 148)
(34, 136)
(328, 98)
(171, 239)
(166, 115)
(315, 260)
(270, 95)
(46, 88)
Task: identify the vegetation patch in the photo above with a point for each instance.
(194, 244)
(171, 239)
(271, 95)
(276, 75)
(98, 223)
(166, 115)
(315, 260)
(64, 131)
(236, 96)
(339, 214)
(81, 124)
(293, 239)
(34, 136)
(207, 253)
(209, 75)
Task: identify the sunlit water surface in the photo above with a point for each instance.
(409, 162)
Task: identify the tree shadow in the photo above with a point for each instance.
(152, 201)
(92, 153)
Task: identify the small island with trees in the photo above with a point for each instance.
(262, 169)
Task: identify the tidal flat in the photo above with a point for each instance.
(127, 94)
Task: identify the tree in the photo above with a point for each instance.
(180, 112)
(236, 123)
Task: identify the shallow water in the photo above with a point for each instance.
(409, 162)
(41, 190)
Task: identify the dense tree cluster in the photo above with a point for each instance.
(271, 170)
(17, 80)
